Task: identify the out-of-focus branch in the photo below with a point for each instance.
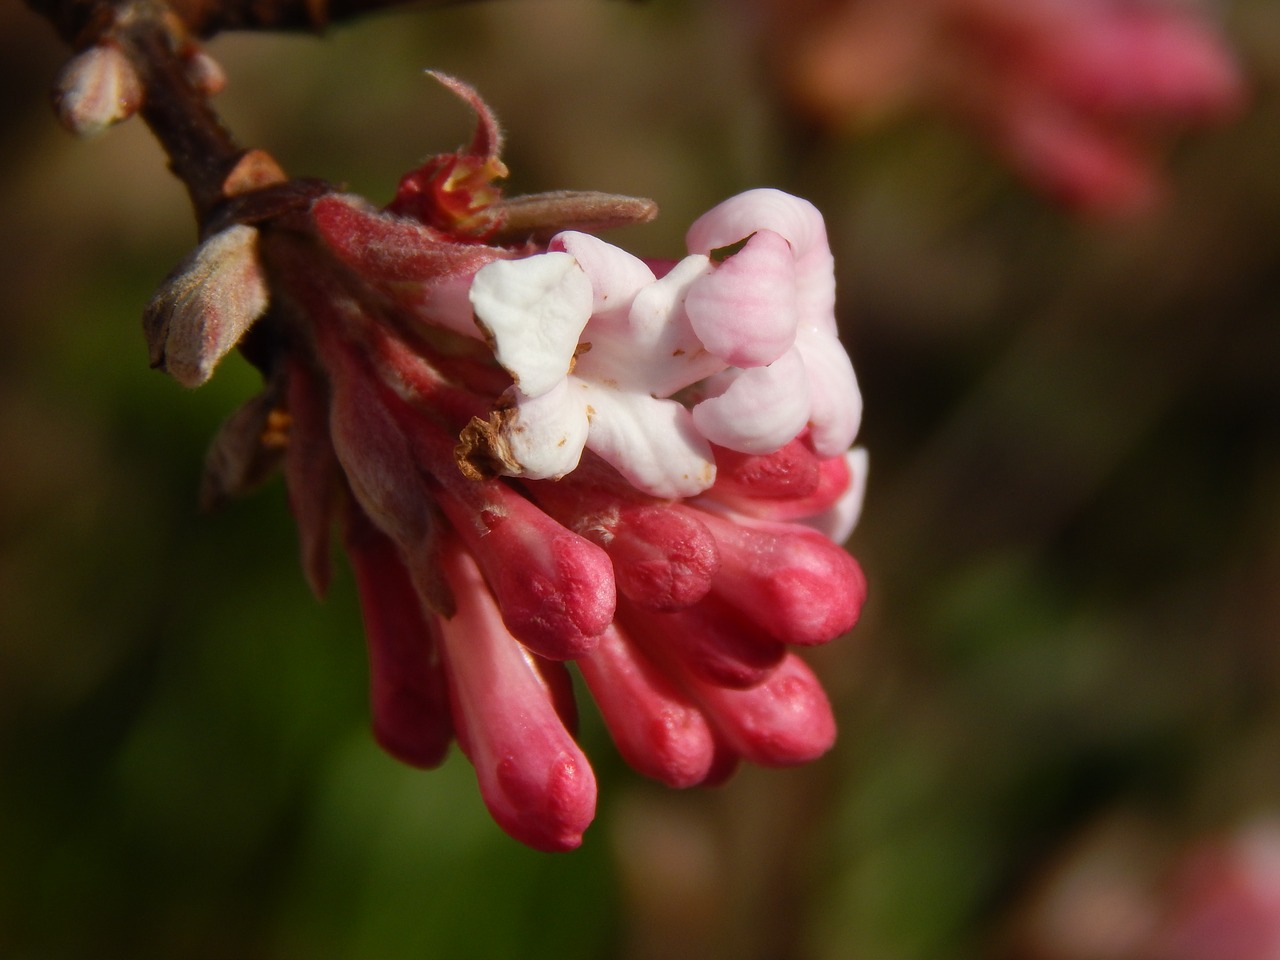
(203, 18)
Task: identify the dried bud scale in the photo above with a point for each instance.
(539, 449)
(205, 306)
(97, 88)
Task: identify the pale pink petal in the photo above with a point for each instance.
(835, 402)
(760, 409)
(799, 222)
(745, 311)
(651, 442)
(533, 311)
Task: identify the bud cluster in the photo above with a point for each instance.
(540, 449)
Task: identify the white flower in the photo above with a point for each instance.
(605, 354)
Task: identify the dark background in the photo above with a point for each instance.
(1072, 533)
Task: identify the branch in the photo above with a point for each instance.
(73, 19)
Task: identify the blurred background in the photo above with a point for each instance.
(1068, 670)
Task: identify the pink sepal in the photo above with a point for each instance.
(384, 247)
(311, 472)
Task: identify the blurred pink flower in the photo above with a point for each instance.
(1225, 900)
(1080, 97)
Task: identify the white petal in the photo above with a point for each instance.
(546, 434)
(836, 410)
(616, 276)
(533, 311)
(657, 351)
(651, 442)
(760, 409)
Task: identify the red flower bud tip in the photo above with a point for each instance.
(657, 729)
(535, 780)
(407, 689)
(97, 88)
(785, 720)
(555, 588)
(662, 559)
(794, 583)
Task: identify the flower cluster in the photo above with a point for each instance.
(540, 449)
(1077, 96)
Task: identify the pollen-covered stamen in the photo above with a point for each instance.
(709, 639)
(408, 692)
(793, 583)
(535, 780)
(783, 721)
(657, 729)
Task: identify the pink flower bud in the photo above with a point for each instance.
(656, 729)
(206, 305)
(662, 559)
(794, 583)
(535, 780)
(789, 473)
(407, 690)
(97, 88)
(555, 588)
(785, 720)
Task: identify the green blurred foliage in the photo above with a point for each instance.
(1072, 535)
